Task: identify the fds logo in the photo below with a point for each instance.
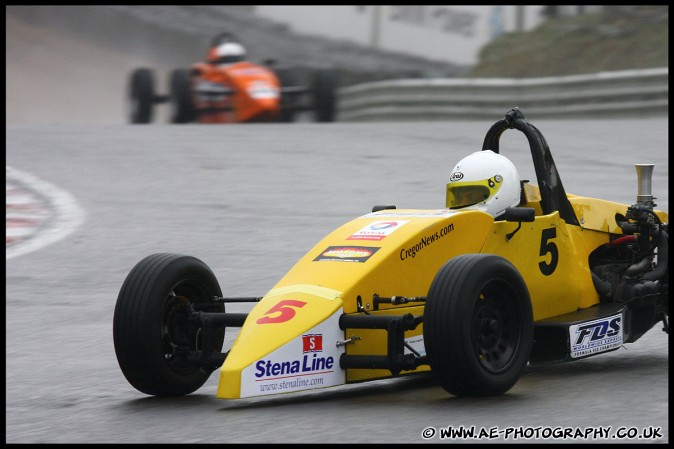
(587, 334)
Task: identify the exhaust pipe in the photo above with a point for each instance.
(644, 178)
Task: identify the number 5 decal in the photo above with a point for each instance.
(548, 247)
(284, 309)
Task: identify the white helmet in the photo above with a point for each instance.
(484, 181)
(228, 53)
(225, 49)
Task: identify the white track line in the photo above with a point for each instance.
(67, 215)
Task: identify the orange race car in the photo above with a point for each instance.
(228, 89)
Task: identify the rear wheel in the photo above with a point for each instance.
(325, 99)
(152, 333)
(478, 325)
(287, 78)
(141, 96)
(182, 110)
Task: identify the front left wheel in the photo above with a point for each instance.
(154, 339)
(478, 325)
(141, 96)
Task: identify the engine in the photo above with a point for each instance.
(634, 268)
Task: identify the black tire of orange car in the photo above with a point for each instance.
(287, 78)
(151, 332)
(141, 96)
(478, 325)
(325, 99)
(182, 109)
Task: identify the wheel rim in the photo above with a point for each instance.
(180, 337)
(496, 327)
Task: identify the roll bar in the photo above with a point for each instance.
(553, 196)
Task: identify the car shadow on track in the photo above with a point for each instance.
(422, 387)
(413, 383)
(376, 388)
(621, 363)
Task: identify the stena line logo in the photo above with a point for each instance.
(312, 343)
(311, 361)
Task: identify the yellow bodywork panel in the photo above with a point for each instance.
(532, 196)
(553, 266)
(282, 315)
(599, 215)
(401, 259)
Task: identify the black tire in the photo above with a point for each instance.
(182, 109)
(287, 78)
(478, 325)
(151, 331)
(141, 96)
(325, 97)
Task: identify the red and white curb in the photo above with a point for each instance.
(37, 213)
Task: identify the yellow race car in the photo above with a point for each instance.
(471, 292)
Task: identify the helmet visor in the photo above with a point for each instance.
(229, 59)
(464, 194)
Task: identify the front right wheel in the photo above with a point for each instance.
(478, 325)
(287, 80)
(182, 110)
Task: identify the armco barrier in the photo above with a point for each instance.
(631, 93)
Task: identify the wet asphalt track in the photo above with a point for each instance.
(249, 200)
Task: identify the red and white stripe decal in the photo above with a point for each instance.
(37, 213)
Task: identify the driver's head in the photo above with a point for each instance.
(484, 181)
(225, 49)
